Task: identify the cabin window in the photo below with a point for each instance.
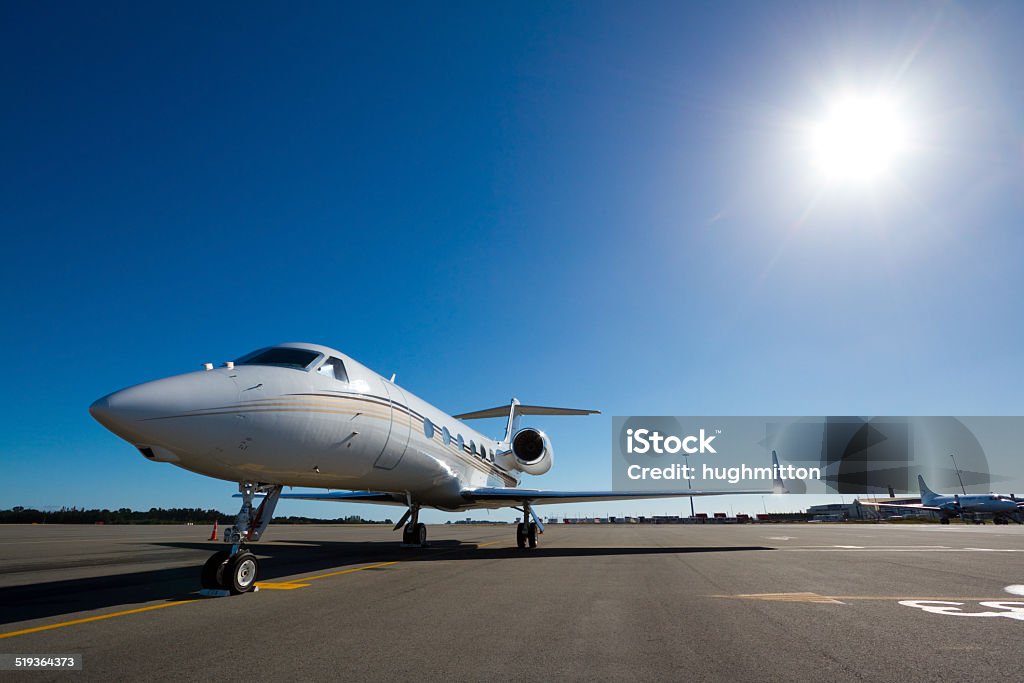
(428, 428)
(334, 368)
(299, 359)
(446, 436)
(461, 444)
(472, 447)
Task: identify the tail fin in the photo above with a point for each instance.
(778, 486)
(515, 409)
(926, 492)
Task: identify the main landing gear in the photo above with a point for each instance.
(414, 534)
(527, 531)
(235, 569)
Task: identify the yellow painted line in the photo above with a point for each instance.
(348, 571)
(786, 597)
(279, 586)
(101, 617)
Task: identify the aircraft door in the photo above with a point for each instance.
(401, 428)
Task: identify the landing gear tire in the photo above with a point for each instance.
(944, 520)
(531, 534)
(415, 534)
(421, 535)
(213, 576)
(521, 535)
(241, 575)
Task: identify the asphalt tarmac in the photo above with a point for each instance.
(787, 602)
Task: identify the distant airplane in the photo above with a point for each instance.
(307, 415)
(956, 505)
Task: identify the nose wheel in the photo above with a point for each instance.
(235, 573)
(235, 570)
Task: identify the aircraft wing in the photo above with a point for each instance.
(908, 506)
(537, 497)
(349, 496)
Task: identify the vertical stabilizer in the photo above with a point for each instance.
(513, 420)
(927, 495)
(778, 486)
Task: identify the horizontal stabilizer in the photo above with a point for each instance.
(502, 411)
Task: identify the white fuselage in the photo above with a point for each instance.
(298, 427)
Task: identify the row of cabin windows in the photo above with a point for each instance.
(446, 437)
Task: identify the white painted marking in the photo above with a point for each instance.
(780, 538)
(1011, 610)
(1015, 589)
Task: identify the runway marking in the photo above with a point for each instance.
(1010, 610)
(897, 549)
(74, 622)
(842, 599)
(279, 586)
(349, 571)
(786, 597)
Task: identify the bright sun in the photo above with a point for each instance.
(859, 139)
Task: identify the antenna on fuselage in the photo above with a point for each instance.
(393, 376)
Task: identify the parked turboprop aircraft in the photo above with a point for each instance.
(1000, 507)
(307, 415)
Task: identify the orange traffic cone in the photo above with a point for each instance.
(213, 535)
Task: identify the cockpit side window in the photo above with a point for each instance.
(299, 359)
(334, 368)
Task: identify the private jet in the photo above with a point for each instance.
(304, 415)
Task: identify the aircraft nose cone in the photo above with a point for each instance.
(135, 414)
(122, 410)
(100, 411)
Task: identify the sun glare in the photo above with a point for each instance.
(859, 139)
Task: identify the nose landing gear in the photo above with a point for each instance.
(235, 570)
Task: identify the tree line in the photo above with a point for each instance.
(74, 515)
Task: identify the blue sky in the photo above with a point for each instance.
(597, 204)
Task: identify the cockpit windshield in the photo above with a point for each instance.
(283, 357)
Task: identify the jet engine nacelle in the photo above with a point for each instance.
(532, 451)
